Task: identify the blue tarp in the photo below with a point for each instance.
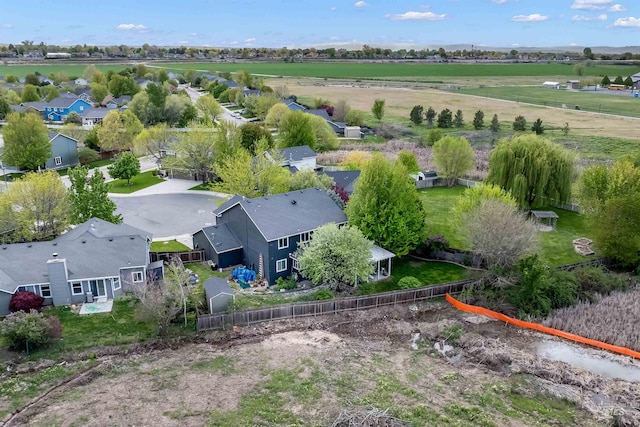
(243, 274)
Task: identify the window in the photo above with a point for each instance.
(76, 288)
(281, 265)
(45, 291)
(283, 243)
(82, 108)
(116, 283)
(27, 289)
(58, 160)
(294, 264)
(137, 276)
(305, 237)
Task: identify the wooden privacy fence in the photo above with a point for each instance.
(317, 308)
(196, 255)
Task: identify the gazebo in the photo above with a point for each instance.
(546, 219)
(381, 258)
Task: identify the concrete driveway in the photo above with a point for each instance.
(168, 215)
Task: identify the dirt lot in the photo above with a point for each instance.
(379, 363)
(400, 101)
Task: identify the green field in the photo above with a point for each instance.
(602, 102)
(353, 70)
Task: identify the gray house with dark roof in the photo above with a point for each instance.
(64, 151)
(298, 158)
(263, 232)
(97, 256)
(344, 179)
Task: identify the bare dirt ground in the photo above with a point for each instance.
(399, 102)
(312, 371)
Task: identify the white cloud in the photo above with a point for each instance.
(617, 8)
(499, 1)
(131, 27)
(6, 26)
(590, 4)
(589, 18)
(629, 22)
(534, 17)
(333, 9)
(193, 34)
(234, 42)
(361, 3)
(417, 16)
(333, 38)
(250, 40)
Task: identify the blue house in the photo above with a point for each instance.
(96, 257)
(58, 109)
(264, 232)
(64, 151)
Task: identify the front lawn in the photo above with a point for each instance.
(138, 182)
(438, 203)
(203, 187)
(169, 246)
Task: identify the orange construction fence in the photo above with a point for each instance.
(537, 327)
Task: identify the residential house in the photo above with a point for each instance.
(344, 179)
(38, 107)
(58, 109)
(298, 158)
(64, 151)
(112, 102)
(81, 82)
(264, 232)
(340, 128)
(98, 257)
(93, 116)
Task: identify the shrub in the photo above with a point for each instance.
(22, 329)
(596, 280)
(322, 294)
(562, 289)
(288, 283)
(433, 136)
(436, 243)
(25, 301)
(409, 282)
(55, 327)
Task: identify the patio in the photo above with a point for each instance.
(99, 305)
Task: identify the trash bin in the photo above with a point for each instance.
(89, 296)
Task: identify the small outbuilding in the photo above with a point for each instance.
(218, 293)
(573, 84)
(546, 219)
(551, 85)
(381, 260)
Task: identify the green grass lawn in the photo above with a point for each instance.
(597, 102)
(169, 246)
(429, 273)
(100, 163)
(203, 187)
(120, 326)
(204, 271)
(138, 182)
(438, 203)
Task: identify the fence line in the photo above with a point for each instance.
(317, 308)
(196, 255)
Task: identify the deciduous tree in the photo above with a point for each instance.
(154, 140)
(340, 111)
(276, 115)
(453, 157)
(99, 91)
(41, 203)
(536, 171)
(88, 197)
(30, 93)
(378, 109)
(386, 206)
(336, 256)
(26, 142)
(196, 150)
(409, 161)
(126, 166)
(610, 198)
(308, 178)
(296, 130)
(208, 107)
(252, 133)
(326, 139)
(118, 130)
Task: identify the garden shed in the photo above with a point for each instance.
(381, 259)
(547, 220)
(218, 293)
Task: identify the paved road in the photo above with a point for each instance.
(168, 214)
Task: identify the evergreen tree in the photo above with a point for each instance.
(495, 124)
(445, 119)
(478, 120)
(520, 124)
(537, 127)
(458, 119)
(416, 114)
(430, 115)
(605, 81)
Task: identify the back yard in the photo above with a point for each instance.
(556, 246)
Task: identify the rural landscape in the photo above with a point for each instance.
(346, 234)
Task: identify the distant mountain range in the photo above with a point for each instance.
(468, 47)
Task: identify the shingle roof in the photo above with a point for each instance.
(95, 113)
(215, 286)
(297, 153)
(287, 214)
(221, 238)
(38, 105)
(61, 102)
(93, 249)
(320, 113)
(345, 179)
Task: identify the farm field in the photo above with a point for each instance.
(400, 101)
(351, 70)
(601, 102)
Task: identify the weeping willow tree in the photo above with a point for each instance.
(533, 169)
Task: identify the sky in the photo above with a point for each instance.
(326, 23)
